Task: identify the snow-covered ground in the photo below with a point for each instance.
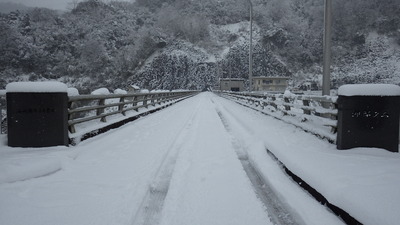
(184, 165)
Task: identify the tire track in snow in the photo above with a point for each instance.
(277, 211)
(151, 207)
(340, 213)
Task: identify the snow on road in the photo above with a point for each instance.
(209, 185)
(105, 180)
(364, 181)
(185, 165)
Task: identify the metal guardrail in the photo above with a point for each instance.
(84, 108)
(314, 114)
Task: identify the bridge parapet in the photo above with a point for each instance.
(314, 114)
(369, 119)
(89, 115)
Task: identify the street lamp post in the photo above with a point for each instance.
(326, 80)
(251, 47)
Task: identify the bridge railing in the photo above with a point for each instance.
(85, 108)
(314, 114)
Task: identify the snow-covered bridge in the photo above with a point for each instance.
(204, 160)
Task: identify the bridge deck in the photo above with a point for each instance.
(201, 161)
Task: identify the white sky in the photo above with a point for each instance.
(52, 4)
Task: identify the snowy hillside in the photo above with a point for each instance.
(174, 44)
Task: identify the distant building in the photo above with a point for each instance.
(231, 84)
(274, 84)
(309, 85)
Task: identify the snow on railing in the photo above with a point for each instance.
(314, 114)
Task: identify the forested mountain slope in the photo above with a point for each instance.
(171, 44)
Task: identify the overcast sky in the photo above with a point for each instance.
(52, 4)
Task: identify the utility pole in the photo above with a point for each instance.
(326, 81)
(251, 47)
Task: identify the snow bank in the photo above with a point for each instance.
(72, 92)
(288, 94)
(12, 172)
(101, 91)
(39, 87)
(120, 91)
(369, 90)
(18, 164)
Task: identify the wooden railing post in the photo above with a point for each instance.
(101, 110)
(273, 104)
(264, 103)
(286, 99)
(135, 102)
(121, 107)
(167, 97)
(160, 98)
(306, 102)
(71, 116)
(145, 101)
(153, 96)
